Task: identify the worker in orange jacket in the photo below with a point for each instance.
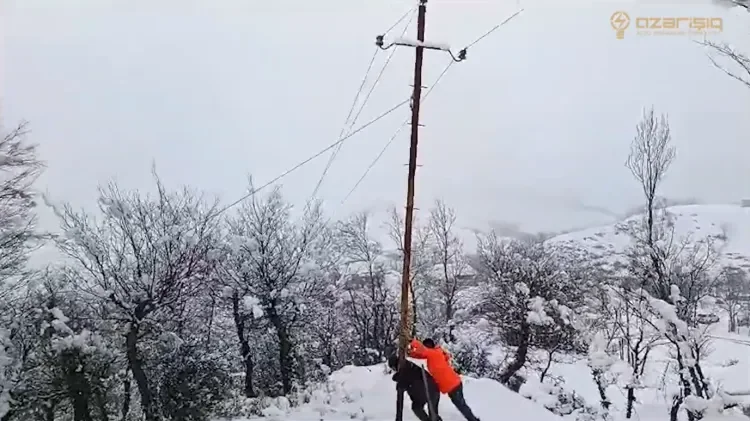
(438, 364)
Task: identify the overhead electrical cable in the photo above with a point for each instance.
(349, 124)
(404, 124)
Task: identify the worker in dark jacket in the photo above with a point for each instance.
(419, 385)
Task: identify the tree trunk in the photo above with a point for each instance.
(630, 402)
(101, 404)
(519, 360)
(79, 391)
(139, 374)
(286, 360)
(599, 380)
(675, 410)
(247, 358)
(49, 412)
(550, 353)
(127, 396)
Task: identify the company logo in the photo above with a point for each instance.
(620, 21)
(665, 25)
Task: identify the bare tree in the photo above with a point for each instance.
(742, 61)
(142, 262)
(448, 253)
(369, 301)
(421, 260)
(651, 154)
(734, 290)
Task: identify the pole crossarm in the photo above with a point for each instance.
(403, 42)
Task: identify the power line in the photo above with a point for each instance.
(321, 152)
(412, 10)
(380, 75)
(326, 149)
(393, 137)
(347, 123)
(493, 29)
(348, 116)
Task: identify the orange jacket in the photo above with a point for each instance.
(438, 364)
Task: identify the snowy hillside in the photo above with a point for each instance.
(368, 394)
(729, 225)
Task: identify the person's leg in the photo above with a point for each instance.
(433, 404)
(436, 402)
(418, 410)
(457, 397)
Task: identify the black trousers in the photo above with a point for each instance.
(457, 397)
(419, 411)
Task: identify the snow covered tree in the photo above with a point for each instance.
(19, 168)
(526, 295)
(626, 332)
(280, 270)
(369, 302)
(66, 369)
(142, 261)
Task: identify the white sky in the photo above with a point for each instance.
(537, 122)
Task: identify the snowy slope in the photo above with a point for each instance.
(728, 361)
(695, 222)
(369, 394)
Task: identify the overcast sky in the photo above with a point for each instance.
(535, 124)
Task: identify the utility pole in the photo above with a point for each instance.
(405, 331)
(404, 328)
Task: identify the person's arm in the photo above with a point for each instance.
(417, 350)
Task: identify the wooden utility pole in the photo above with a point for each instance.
(405, 333)
(405, 330)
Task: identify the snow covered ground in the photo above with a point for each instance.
(369, 394)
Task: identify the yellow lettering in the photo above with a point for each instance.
(669, 23)
(692, 23)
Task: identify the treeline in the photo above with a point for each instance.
(169, 307)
